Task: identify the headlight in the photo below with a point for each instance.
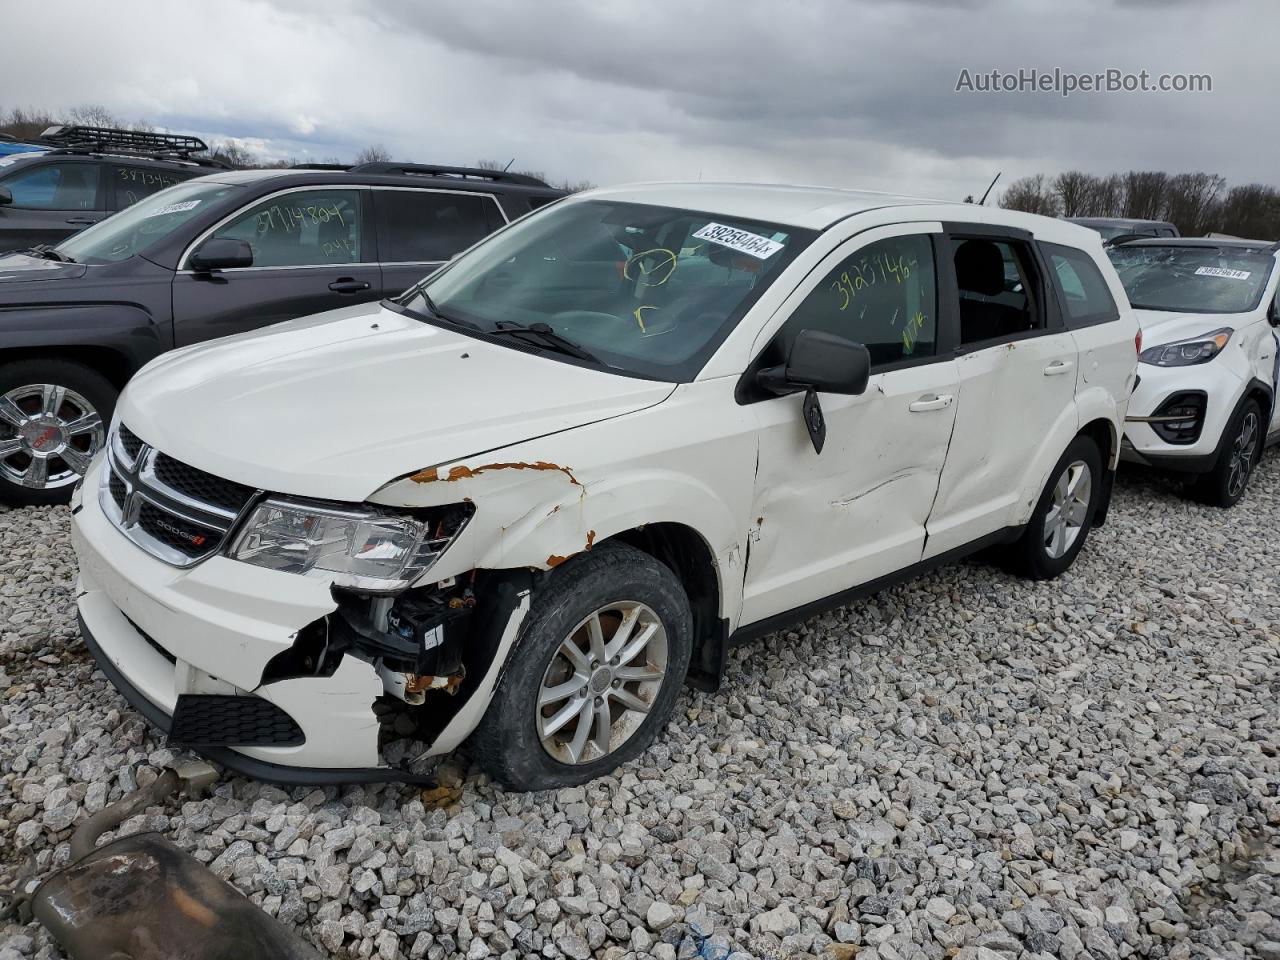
(359, 548)
(1183, 353)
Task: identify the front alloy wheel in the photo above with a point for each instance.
(602, 682)
(1243, 455)
(48, 435)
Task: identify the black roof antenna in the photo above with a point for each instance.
(992, 184)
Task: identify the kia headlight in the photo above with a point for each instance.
(1184, 353)
(365, 549)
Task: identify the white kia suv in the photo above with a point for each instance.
(1205, 401)
(525, 501)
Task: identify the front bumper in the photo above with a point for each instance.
(1222, 388)
(159, 632)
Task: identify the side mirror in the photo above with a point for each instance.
(1273, 312)
(221, 253)
(821, 362)
(6, 196)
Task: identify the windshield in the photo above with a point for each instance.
(133, 230)
(646, 290)
(1192, 279)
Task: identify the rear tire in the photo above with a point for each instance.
(1063, 516)
(1225, 485)
(528, 739)
(54, 416)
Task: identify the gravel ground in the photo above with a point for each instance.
(965, 766)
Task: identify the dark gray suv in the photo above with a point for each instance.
(73, 177)
(213, 256)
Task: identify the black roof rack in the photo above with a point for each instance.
(321, 166)
(74, 138)
(462, 173)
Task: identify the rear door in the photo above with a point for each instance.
(128, 183)
(313, 250)
(420, 229)
(1017, 369)
(52, 199)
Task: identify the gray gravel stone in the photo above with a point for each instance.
(967, 766)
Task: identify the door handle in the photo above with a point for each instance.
(1059, 367)
(931, 401)
(81, 221)
(348, 285)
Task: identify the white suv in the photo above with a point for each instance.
(525, 501)
(1205, 401)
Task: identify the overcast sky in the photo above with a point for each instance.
(811, 91)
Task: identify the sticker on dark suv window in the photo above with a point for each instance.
(740, 240)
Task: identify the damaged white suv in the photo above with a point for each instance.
(526, 501)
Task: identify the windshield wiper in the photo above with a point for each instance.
(544, 336)
(399, 306)
(46, 252)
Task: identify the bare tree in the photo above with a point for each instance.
(231, 153)
(1073, 190)
(1251, 211)
(374, 153)
(1191, 201)
(1105, 197)
(92, 115)
(1031, 195)
(24, 124)
(1144, 194)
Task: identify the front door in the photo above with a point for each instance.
(311, 252)
(824, 522)
(51, 201)
(1017, 367)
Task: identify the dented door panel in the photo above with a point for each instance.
(1016, 416)
(821, 523)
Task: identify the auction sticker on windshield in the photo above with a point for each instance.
(1222, 272)
(740, 240)
(174, 208)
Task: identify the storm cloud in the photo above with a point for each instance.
(816, 91)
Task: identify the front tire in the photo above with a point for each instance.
(1063, 516)
(1225, 484)
(594, 675)
(53, 419)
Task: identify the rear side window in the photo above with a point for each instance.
(134, 183)
(996, 280)
(55, 186)
(883, 296)
(301, 229)
(423, 226)
(1085, 295)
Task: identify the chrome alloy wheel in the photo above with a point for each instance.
(601, 682)
(1244, 450)
(48, 435)
(1068, 509)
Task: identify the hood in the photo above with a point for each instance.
(19, 266)
(336, 405)
(1161, 326)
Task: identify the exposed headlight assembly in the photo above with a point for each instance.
(357, 547)
(1184, 353)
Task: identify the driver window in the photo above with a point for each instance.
(305, 228)
(883, 296)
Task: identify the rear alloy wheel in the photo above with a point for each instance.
(1225, 484)
(53, 420)
(1057, 529)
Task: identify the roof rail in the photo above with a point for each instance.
(74, 138)
(464, 173)
(1130, 237)
(320, 166)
